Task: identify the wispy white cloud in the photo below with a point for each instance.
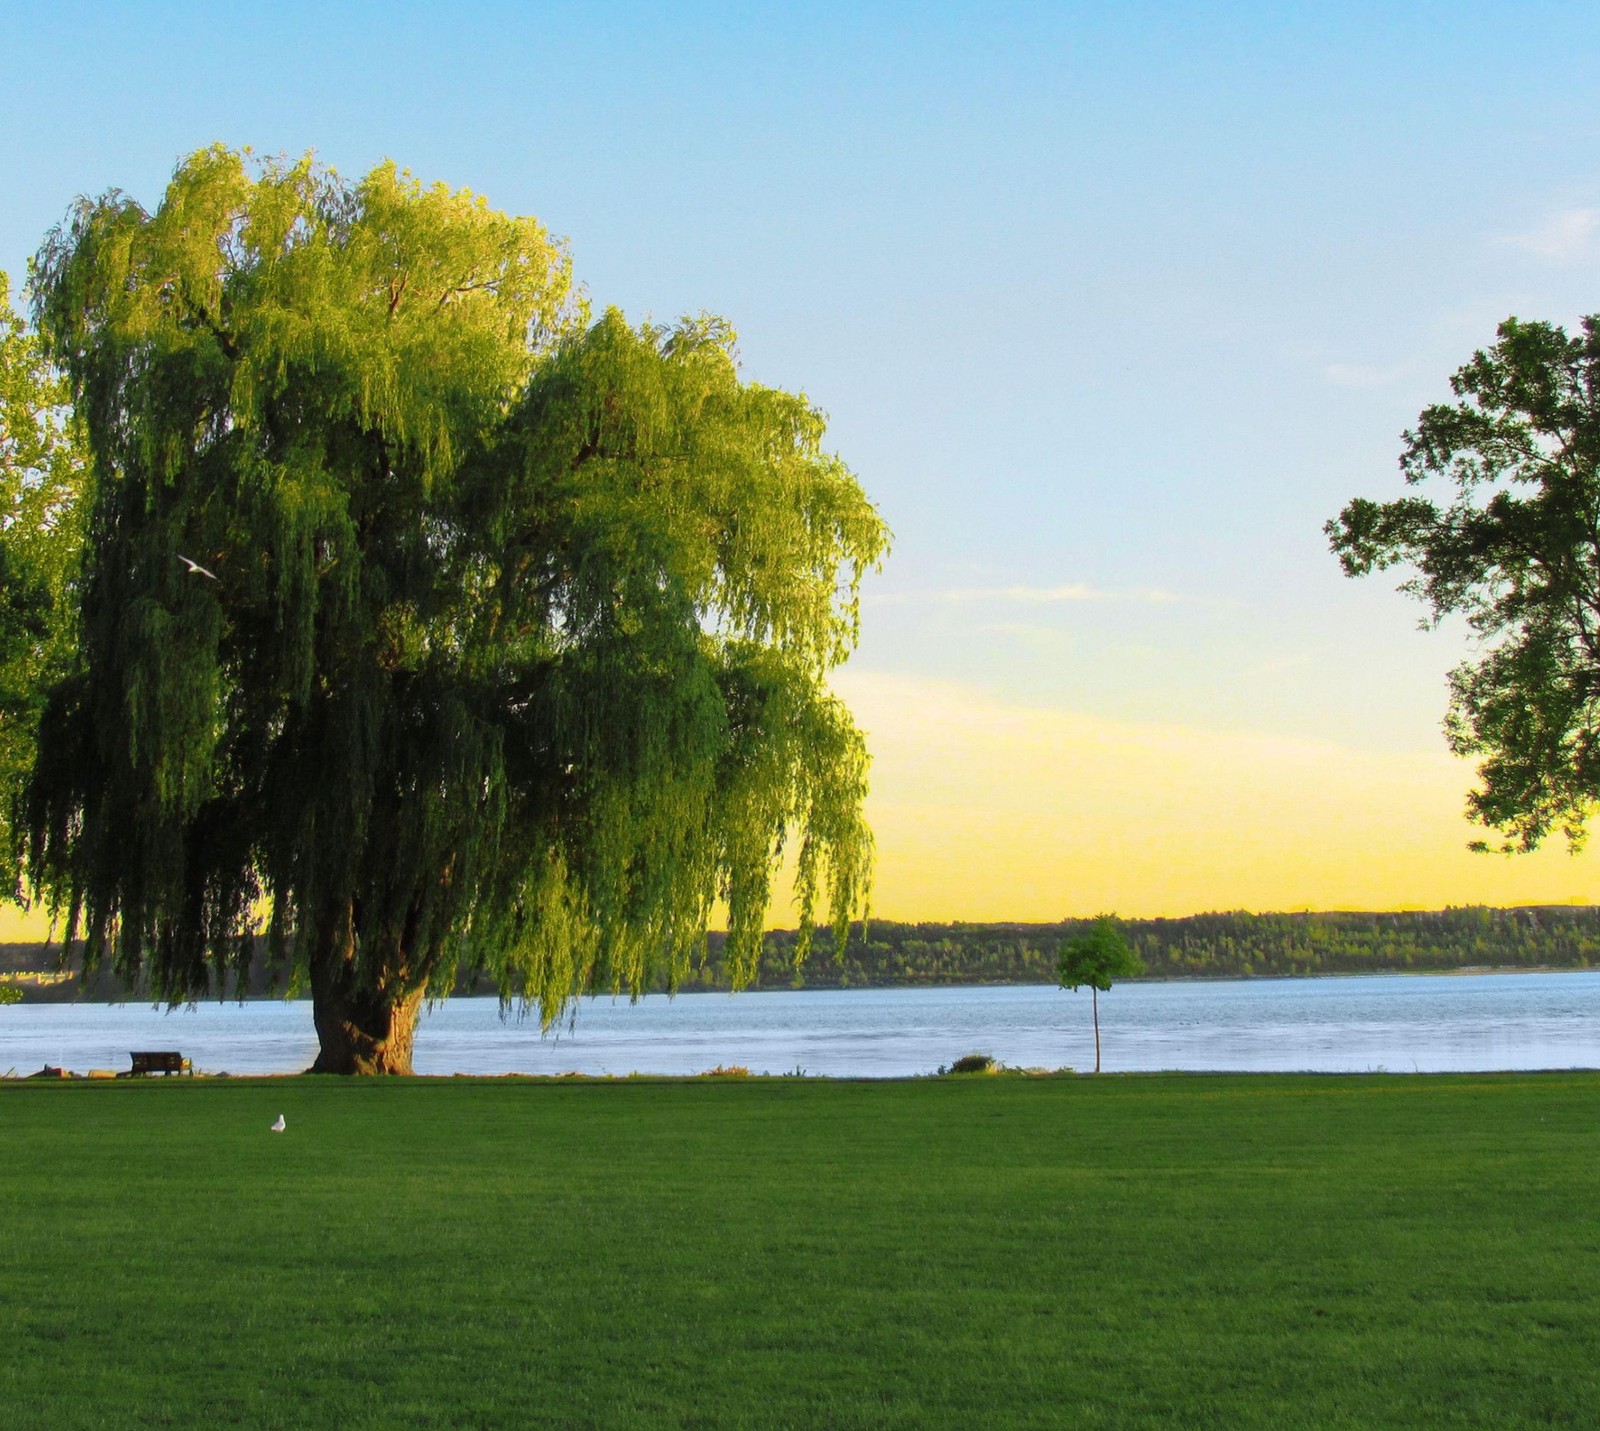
(1562, 237)
(1027, 595)
(1049, 595)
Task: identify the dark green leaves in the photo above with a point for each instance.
(1514, 547)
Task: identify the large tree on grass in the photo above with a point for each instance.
(509, 643)
(1512, 545)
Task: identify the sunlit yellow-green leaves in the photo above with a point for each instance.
(41, 474)
(515, 643)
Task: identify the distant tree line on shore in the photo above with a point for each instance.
(1216, 946)
(1220, 945)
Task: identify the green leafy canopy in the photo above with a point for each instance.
(41, 475)
(1514, 548)
(515, 654)
(1097, 957)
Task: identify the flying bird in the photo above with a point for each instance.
(195, 569)
(279, 1126)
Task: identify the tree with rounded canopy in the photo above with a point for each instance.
(509, 643)
(1096, 957)
(41, 474)
(1514, 548)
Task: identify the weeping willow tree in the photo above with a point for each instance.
(41, 474)
(424, 621)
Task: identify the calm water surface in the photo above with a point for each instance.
(1399, 1023)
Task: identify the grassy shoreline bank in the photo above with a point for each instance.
(1261, 1251)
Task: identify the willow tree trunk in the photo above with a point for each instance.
(364, 1034)
(360, 1029)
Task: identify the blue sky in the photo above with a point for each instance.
(1111, 307)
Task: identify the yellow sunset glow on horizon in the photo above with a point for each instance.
(984, 810)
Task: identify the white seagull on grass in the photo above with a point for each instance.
(280, 1125)
(195, 569)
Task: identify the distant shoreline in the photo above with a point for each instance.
(890, 954)
(55, 988)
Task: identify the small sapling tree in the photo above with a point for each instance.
(1096, 957)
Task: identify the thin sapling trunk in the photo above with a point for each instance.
(1094, 997)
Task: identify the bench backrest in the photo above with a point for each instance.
(162, 1062)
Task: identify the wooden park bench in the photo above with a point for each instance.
(162, 1063)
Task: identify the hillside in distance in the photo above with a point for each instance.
(1229, 945)
(1216, 946)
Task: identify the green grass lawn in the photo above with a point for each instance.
(984, 1252)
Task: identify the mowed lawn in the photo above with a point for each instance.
(979, 1252)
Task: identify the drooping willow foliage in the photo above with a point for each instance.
(41, 473)
(513, 650)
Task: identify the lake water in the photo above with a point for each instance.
(1398, 1023)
